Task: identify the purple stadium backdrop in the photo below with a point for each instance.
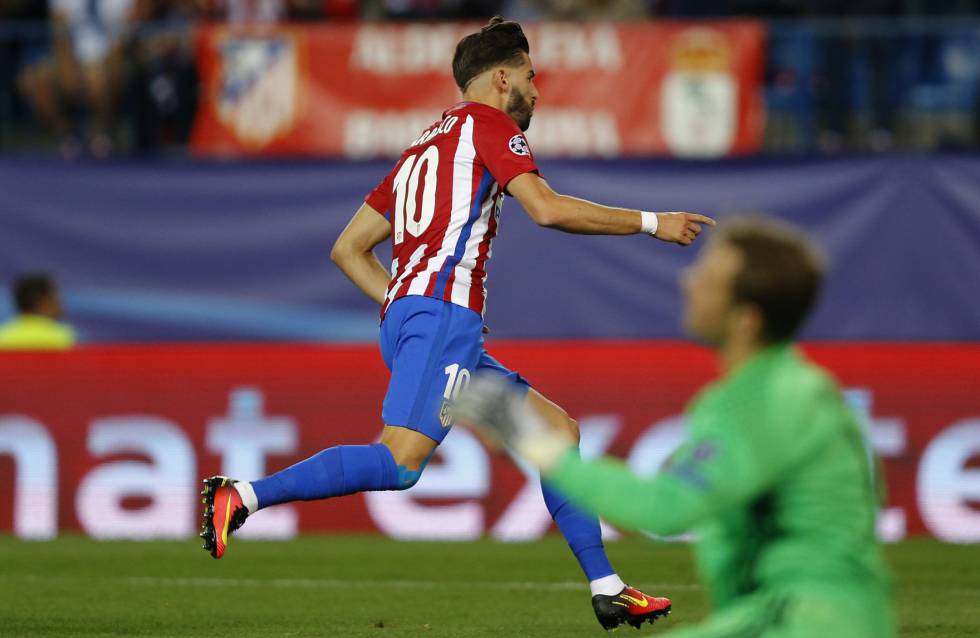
(226, 251)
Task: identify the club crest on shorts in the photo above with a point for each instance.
(445, 417)
(518, 145)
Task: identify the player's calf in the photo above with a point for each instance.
(411, 452)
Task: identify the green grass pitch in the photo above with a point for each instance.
(348, 587)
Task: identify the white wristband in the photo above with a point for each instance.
(649, 222)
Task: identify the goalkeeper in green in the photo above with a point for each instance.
(774, 474)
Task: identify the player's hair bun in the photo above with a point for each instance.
(494, 21)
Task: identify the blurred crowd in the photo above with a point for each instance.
(101, 76)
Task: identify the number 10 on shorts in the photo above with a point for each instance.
(456, 381)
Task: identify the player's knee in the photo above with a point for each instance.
(554, 414)
(407, 478)
(410, 464)
(569, 424)
(572, 428)
(566, 423)
(411, 458)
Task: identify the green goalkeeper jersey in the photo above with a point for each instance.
(773, 476)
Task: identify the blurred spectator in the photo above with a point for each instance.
(163, 89)
(266, 11)
(244, 11)
(85, 71)
(693, 8)
(37, 325)
(578, 9)
(721, 9)
(431, 9)
(19, 48)
(877, 55)
(942, 7)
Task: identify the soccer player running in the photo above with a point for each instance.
(774, 474)
(441, 207)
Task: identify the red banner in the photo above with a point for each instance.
(113, 441)
(607, 90)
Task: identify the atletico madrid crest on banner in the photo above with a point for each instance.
(258, 87)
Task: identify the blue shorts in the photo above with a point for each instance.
(432, 348)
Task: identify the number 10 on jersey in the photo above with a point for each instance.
(406, 185)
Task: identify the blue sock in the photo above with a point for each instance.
(581, 532)
(336, 471)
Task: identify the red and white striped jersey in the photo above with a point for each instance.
(443, 201)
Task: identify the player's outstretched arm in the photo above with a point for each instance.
(704, 476)
(353, 252)
(573, 215)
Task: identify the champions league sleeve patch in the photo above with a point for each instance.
(518, 145)
(687, 463)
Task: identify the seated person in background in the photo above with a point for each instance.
(86, 70)
(271, 11)
(244, 11)
(37, 325)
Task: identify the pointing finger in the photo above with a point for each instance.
(704, 219)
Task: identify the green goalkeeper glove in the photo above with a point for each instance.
(496, 409)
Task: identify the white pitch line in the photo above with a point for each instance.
(337, 583)
(323, 583)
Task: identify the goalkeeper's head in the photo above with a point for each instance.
(753, 284)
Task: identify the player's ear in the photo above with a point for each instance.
(750, 323)
(500, 79)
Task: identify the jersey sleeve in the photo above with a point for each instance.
(717, 467)
(502, 148)
(702, 477)
(380, 199)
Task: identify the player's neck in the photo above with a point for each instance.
(735, 352)
(491, 99)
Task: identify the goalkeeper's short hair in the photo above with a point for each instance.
(781, 274)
